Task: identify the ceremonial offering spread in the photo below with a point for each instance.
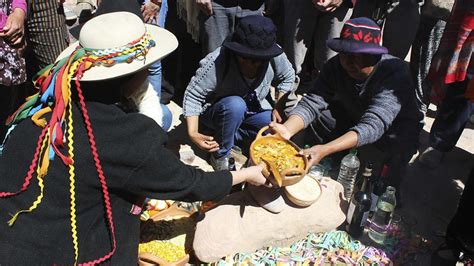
(305, 192)
(281, 158)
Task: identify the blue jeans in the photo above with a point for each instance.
(154, 70)
(229, 123)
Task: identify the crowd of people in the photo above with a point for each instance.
(89, 144)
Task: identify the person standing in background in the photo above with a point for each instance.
(218, 19)
(428, 37)
(154, 12)
(451, 75)
(398, 18)
(46, 33)
(12, 63)
(310, 23)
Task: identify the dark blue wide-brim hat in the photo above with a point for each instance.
(359, 35)
(254, 37)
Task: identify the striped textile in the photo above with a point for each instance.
(46, 31)
(452, 61)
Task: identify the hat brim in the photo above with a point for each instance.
(240, 49)
(166, 43)
(346, 46)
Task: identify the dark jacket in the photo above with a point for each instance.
(382, 106)
(135, 164)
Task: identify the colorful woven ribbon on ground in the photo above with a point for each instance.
(333, 248)
(54, 96)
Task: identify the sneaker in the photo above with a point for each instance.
(219, 164)
(431, 157)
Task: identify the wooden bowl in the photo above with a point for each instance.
(173, 212)
(279, 177)
(305, 192)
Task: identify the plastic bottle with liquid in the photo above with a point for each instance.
(383, 216)
(348, 172)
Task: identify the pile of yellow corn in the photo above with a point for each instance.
(163, 249)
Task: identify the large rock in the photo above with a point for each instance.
(238, 224)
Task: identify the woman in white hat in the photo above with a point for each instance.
(85, 161)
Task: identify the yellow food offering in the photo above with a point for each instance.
(280, 152)
(163, 249)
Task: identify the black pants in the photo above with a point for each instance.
(5, 108)
(451, 119)
(460, 232)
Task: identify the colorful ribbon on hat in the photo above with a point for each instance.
(54, 96)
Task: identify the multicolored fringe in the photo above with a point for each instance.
(54, 96)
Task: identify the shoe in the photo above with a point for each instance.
(431, 157)
(268, 198)
(219, 164)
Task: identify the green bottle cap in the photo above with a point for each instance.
(353, 151)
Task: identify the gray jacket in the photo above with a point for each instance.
(219, 76)
(384, 104)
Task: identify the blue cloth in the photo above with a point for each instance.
(229, 122)
(155, 73)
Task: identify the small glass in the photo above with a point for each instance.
(317, 172)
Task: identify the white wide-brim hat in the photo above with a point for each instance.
(115, 30)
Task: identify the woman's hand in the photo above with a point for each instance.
(150, 11)
(205, 6)
(204, 142)
(252, 175)
(13, 31)
(280, 129)
(315, 154)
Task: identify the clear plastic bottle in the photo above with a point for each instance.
(348, 172)
(316, 171)
(383, 215)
